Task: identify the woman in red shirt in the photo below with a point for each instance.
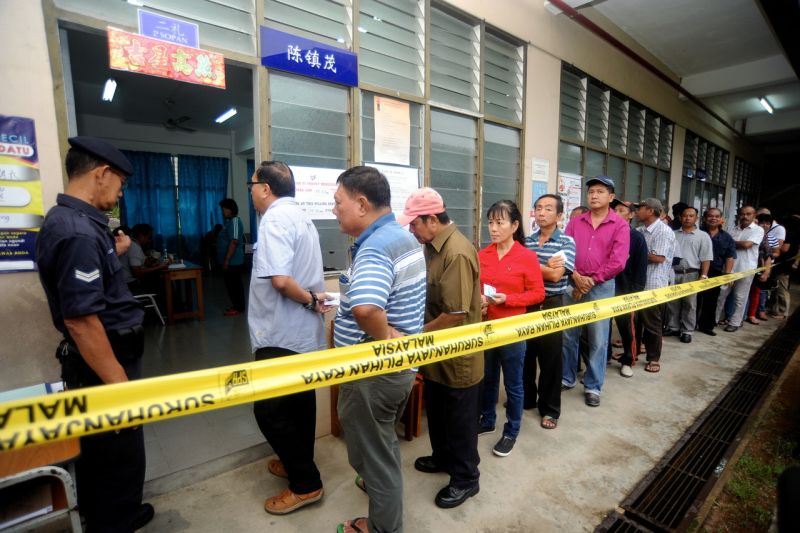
(511, 280)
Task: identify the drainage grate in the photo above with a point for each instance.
(668, 497)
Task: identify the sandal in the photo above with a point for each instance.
(753, 320)
(617, 343)
(276, 468)
(548, 422)
(652, 366)
(351, 526)
(360, 483)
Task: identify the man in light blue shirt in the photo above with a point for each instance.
(382, 297)
(284, 317)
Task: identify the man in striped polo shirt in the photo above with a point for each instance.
(382, 297)
(556, 253)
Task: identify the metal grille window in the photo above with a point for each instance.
(619, 137)
(225, 24)
(453, 166)
(503, 78)
(454, 61)
(392, 44)
(618, 125)
(500, 170)
(705, 170)
(322, 20)
(597, 110)
(309, 127)
(652, 131)
(573, 106)
(368, 130)
(744, 180)
(635, 131)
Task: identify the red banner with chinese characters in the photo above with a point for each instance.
(144, 55)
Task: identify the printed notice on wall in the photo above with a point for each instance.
(392, 131)
(21, 207)
(569, 188)
(314, 189)
(402, 182)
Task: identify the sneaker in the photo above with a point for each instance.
(485, 429)
(626, 371)
(287, 501)
(504, 446)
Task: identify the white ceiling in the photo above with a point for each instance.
(725, 53)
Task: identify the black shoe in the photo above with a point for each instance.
(450, 496)
(143, 516)
(730, 329)
(592, 399)
(671, 333)
(483, 430)
(686, 338)
(710, 332)
(504, 446)
(428, 465)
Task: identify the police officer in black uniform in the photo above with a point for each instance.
(102, 326)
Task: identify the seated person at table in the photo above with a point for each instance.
(144, 269)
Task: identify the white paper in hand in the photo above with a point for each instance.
(333, 299)
(489, 291)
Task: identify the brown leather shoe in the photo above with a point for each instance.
(275, 467)
(287, 501)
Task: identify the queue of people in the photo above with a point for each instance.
(399, 283)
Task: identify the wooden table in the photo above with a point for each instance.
(189, 272)
(24, 473)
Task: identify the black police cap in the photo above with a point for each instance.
(102, 150)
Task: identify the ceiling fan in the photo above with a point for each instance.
(173, 124)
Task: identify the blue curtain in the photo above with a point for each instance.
(251, 167)
(203, 182)
(150, 197)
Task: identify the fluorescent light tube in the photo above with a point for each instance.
(226, 115)
(766, 105)
(109, 89)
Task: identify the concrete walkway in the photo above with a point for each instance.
(555, 480)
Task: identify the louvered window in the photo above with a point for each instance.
(500, 170)
(454, 61)
(573, 106)
(321, 20)
(391, 44)
(618, 125)
(652, 132)
(635, 131)
(453, 166)
(665, 145)
(502, 78)
(597, 111)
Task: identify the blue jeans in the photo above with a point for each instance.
(512, 358)
(598, 343)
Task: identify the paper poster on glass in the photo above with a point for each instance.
(314, 189)
(21, 206)
(392, 131)
(402, 182)
(569, 188)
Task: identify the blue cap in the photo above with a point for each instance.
(102, 150)
(605, 180)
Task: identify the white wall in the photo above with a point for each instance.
(28, 342)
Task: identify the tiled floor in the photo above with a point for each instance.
(171, 445)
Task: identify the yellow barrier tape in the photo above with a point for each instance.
(74, 413)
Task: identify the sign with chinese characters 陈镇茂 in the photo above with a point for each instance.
(292, 53)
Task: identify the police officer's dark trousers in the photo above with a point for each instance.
(111, 468)
(288, 423)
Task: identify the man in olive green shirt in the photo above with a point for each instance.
(452, 387)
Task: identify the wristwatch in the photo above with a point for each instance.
(312, 305)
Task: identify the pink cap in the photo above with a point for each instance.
(424, 201)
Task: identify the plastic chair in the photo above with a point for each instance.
(148, 301)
